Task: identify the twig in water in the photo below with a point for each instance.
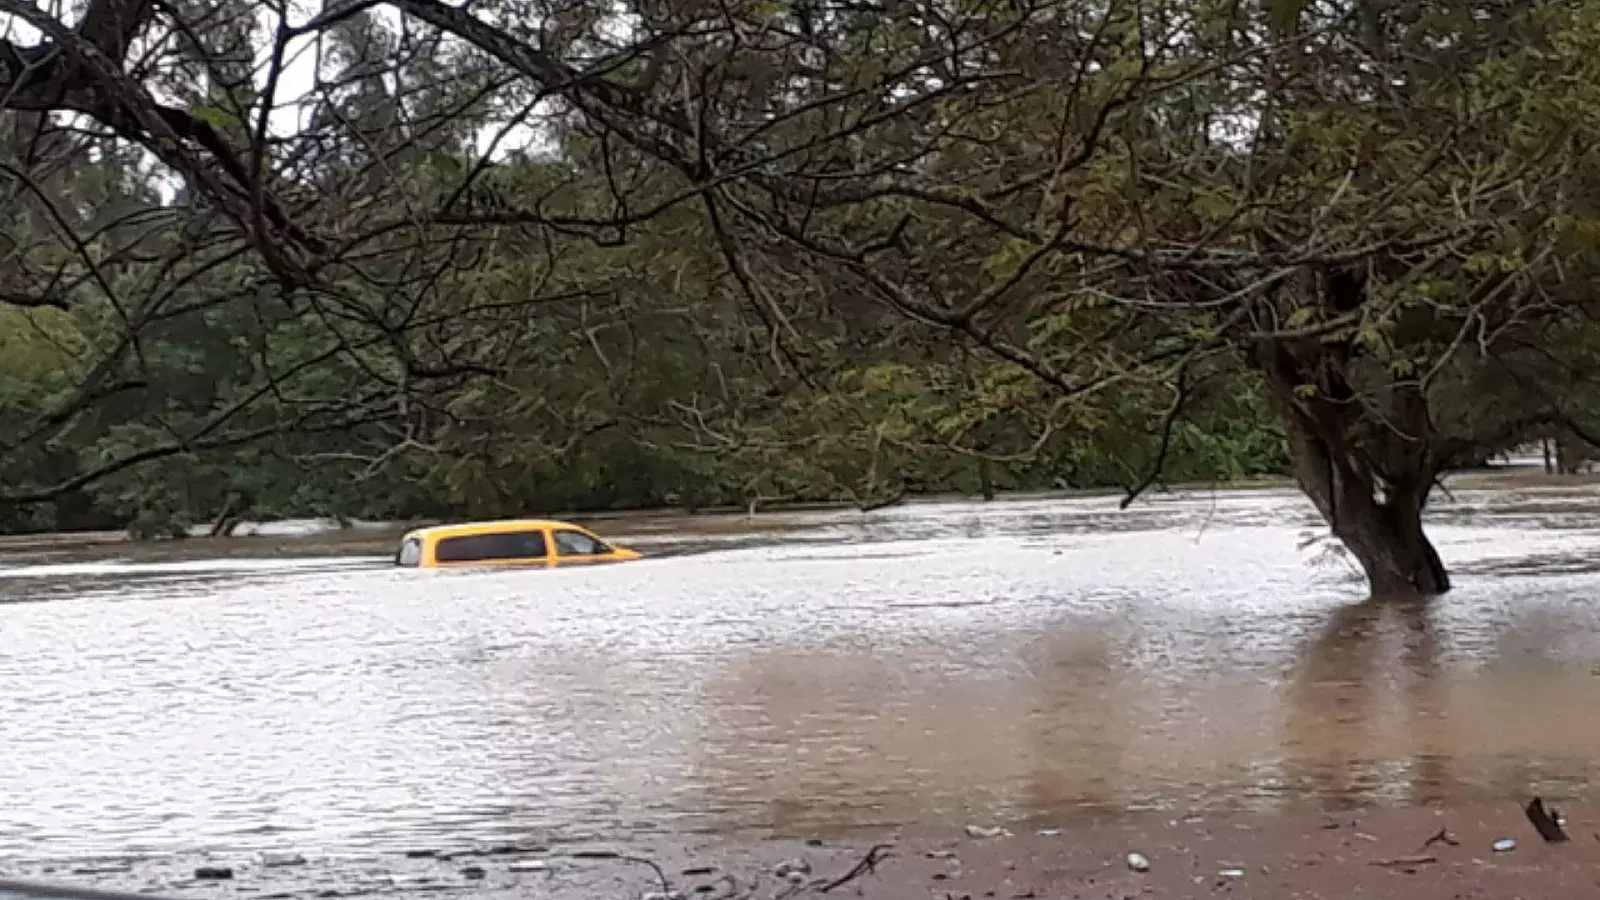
(666, 886)
(1546, 822)
(789, 890)
(733, 885)
(867, 866)
(1443, 836)
(1405, 861)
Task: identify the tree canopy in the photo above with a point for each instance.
(564, 253)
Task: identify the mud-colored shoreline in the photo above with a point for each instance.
(1412, 853)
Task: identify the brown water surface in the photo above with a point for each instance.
(929, 664)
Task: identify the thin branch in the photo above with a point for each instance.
(1180, 395)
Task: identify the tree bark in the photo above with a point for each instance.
(985, 479)
(884, 502)
(1571, 452)
(225, 522)
(1380, 524)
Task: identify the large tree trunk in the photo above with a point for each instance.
(1572, 453)
(1381, 525)
(986, 479)
(1368, 475)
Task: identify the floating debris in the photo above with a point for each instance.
(272, 860)
(421, 854)
(1138, 862)
(595, 854)
(474, 873)
(940, 854)
(1049, 832)
(510, 849)
(795, 877)
(664, 895)
(532, 865)
(213, 873)
(1504, 845)
(693, 871)
(103, 869)
(1402, 862)
(793, 867)
(986, 831)
(1443, 836)
(1232, 872)
(1547, 822)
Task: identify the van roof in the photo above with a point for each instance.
(499, 525)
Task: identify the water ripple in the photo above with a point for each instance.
(928, 663)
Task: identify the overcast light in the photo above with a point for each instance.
(296, 93)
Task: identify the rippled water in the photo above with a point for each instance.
(927, 664)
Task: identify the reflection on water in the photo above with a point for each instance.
(929, 664)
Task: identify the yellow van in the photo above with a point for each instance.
(517, 542)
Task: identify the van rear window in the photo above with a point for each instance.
(506, 545)
(410, 553)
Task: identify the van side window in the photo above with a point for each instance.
(410, 553)
(576, 543)
(506, 545)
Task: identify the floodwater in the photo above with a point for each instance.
(929, 664)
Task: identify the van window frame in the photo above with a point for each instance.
(441, 552)
(602, 548)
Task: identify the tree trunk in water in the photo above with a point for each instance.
(1381, 529)
(1571, 452)
(225, 522)
(884, 502)
(1368, 474)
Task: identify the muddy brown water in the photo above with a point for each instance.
(931, 664)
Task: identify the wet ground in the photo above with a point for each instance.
(1416, 853)
(1042, 663)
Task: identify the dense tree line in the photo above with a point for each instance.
(543, 254)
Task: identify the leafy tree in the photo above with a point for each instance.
(1371, 209)
(799, 248)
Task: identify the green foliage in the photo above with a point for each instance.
(1064, 272)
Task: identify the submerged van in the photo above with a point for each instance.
(517, 542)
